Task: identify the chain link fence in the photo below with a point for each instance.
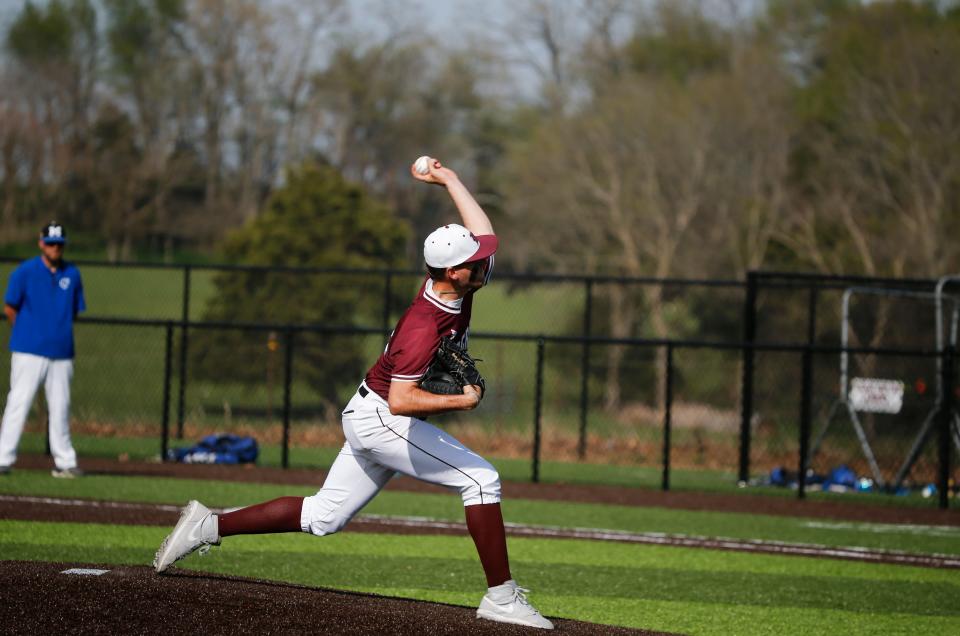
(624, 381)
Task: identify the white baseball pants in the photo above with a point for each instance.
(380, 445)
(27, 371)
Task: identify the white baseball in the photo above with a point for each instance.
(422, 165)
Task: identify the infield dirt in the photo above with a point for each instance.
(39, 598)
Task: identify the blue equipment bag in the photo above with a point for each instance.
(218, 449)
(841, 479)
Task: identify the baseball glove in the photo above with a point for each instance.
(451, 370)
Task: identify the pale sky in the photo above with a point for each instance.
(453, 23)
(456, 23)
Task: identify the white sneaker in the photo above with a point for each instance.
(197, 528)
(508, 603)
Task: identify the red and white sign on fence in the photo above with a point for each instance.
(873, 395)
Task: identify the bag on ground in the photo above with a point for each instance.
(218, 449)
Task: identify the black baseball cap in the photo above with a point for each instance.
(53, 233)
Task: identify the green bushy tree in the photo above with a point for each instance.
(318, 219)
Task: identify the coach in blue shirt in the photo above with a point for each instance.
(43, 297)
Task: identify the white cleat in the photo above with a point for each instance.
(508, 603)
(197, 528)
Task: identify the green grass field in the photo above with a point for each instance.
(694, 591)
(118, 383)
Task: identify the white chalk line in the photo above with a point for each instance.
(693, 541)
(89, 503)
(648, 538)
(887, 528)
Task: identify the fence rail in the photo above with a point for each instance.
(806, 352)
(806, 342)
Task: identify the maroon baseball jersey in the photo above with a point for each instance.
(416, 337)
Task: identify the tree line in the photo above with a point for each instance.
(671, 138)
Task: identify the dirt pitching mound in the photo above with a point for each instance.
(38, 598)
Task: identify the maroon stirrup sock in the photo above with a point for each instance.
(485, 523)
(278, 515)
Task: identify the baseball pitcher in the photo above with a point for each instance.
(423, 371)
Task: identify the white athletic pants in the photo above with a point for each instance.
(27, 371)
(378, 446)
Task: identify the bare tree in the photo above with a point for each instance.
(753, 127)
(566, 46)
(213, 40)
(252, 69)
(21, 160)
(300, 33)
(653, 169)
(888, 181)
(619, 187)
(52, 74)
(147, 76)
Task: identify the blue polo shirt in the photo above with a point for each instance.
(46, 304)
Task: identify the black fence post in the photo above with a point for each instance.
(167, 370)
(746, 394)
(585, 368)
(946, 419)
(387, 292)
(538, 399)
(806, 399)
(812, 316)
(806, 394)
(184, 321)
(667, 403)
(287, 381)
